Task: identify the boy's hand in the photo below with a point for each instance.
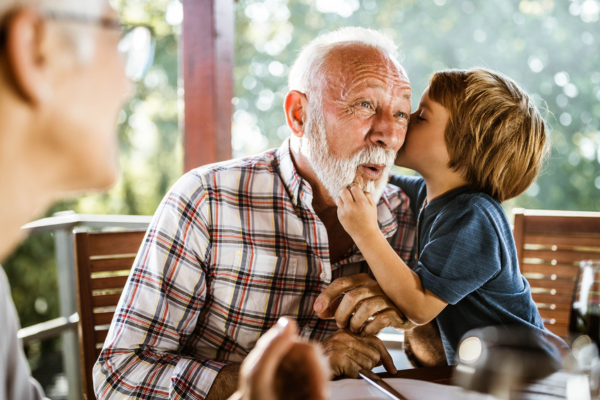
(357, 211)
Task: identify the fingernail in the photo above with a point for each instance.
(318, 306)
(282, 323)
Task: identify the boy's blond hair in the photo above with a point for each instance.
(495, 135)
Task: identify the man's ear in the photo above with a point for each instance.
(295, 106)
(26, 54)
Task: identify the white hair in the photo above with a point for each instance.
(86, 8)
(306, 68)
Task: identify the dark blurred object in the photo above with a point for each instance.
(499, 360)
(296, 378)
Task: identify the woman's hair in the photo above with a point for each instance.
(495, 136)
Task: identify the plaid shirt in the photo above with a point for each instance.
(232, 247)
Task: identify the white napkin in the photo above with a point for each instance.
(358, 389)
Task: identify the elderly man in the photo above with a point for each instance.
(236, 245)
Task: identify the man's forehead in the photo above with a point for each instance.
(360, 65)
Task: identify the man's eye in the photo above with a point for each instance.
(402, 115)
(365, 104)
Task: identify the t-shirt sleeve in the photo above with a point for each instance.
(463, 253)
(412, 186)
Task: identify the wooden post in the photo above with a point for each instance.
(208, 40)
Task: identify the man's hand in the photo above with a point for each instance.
(357, 212)
(349, 353)
(363, 297)
(283, 367)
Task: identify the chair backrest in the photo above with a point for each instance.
(550, 246)
(103, 261)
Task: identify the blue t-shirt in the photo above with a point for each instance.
(468, 257)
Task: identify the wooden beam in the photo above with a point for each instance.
(208, 40)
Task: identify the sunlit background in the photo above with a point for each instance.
(550, 47)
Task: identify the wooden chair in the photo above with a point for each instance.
(550, 245)
(103, 261)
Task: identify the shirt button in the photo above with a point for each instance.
(323, 276)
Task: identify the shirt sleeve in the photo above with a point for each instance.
(462, 253)
(147, 353)
(16, 382)
(413, 187)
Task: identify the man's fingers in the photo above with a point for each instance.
(385, 319)
(368, 308)
(352, 299)
(337, 288)
(329, 312)
(386, 358)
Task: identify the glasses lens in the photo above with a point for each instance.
(138, 47)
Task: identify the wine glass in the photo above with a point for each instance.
(585, 314)
(584, 327)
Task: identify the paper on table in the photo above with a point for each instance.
(358, 389)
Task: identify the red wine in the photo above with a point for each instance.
(586, 324)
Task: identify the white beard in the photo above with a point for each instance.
(337, 173)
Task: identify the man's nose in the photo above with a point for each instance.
(387, 132)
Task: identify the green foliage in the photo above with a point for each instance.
(549, 47)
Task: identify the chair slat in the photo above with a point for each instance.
(562, 286)
(111, 282)
(107, 300)
(114, 264)
(561, 271)
(100, 336)
(586, 223)
(103, 318)
(566, 241)
(558, 298)
(108, 243)
(561, 255)
(559, 316)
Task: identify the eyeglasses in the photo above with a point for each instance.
(137, 44)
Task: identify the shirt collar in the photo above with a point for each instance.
(288, 173)
(390, 200)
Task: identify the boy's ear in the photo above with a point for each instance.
(295, 106)
(27, 55)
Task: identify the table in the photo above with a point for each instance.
(552, 387)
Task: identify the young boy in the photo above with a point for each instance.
(477, 140)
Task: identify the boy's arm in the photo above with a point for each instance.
(358, 214)
(401, 284)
